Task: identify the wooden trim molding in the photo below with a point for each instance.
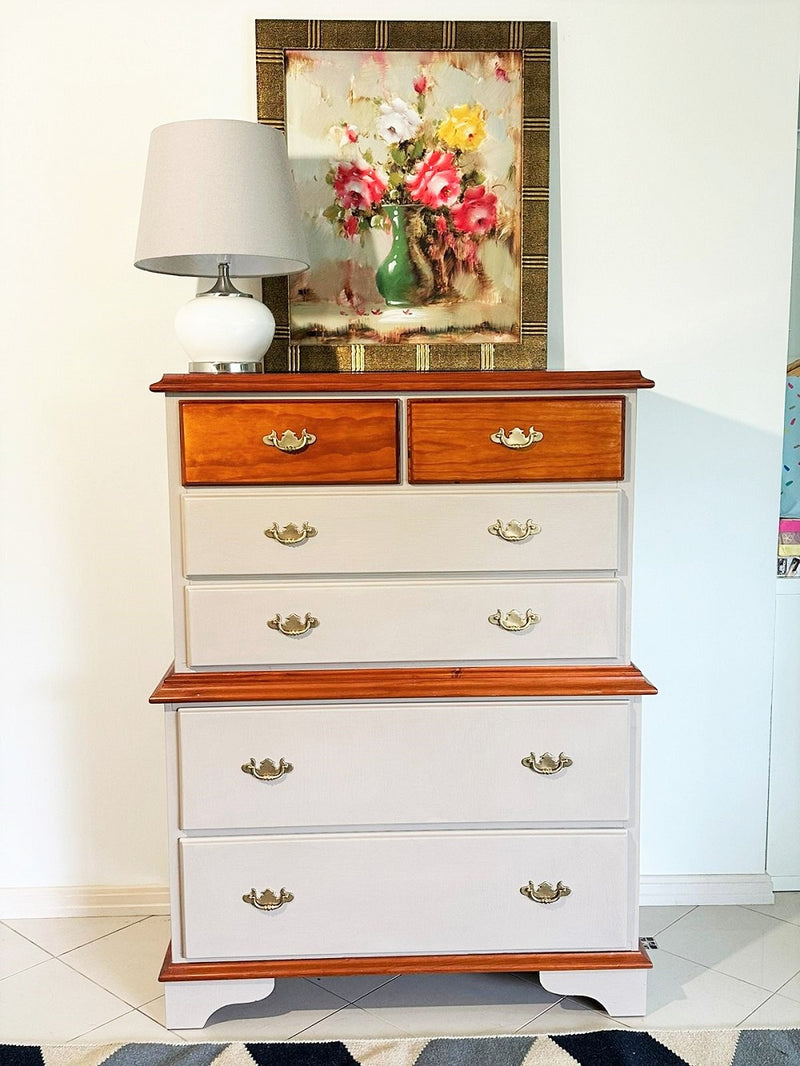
(253, 970)
(405, 683)
(431, 381)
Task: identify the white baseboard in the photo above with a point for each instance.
(786, 883)
(83, 901)
(690, 890)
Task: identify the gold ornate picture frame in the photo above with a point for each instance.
(459, 114)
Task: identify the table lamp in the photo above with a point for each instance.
(219, 202)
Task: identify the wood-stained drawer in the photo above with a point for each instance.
(400, 531)
(289, 442)
(405, 764)
(400, 621)
(578, 438)
(404, 893)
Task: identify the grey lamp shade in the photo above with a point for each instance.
(219, 190)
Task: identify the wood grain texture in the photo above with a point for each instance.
(404, 683)
(434, 381)
(502, 963)
(222, 443)
(582, 439)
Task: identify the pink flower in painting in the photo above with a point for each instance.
(350, 225)
(435, 182)
(420, 84)
(358, 186)
(441, 224)
(477, 213)
(501, 73)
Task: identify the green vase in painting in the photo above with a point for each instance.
(396, 278)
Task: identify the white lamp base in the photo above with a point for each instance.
(225, 333)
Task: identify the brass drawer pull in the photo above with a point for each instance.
(513, 621)
(517, 438)
(290, 534)
(545, 764)
(515, 531)
(293, 625)
(268, 901)
(545, 893)
(266, 770)
(289, 441)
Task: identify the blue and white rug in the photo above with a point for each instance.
(608, 1047)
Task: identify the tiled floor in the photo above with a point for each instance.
(93, 980)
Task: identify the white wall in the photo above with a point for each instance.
(672, 234)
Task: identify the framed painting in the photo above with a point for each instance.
(420, 152)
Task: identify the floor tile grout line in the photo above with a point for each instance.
(305, 1029)
(354, 1002)
(345, 1001)
(400, 1032)
(769, 917)
(32, 943)
(97, 940)
(714, 969)
(116, 995)
(536, 1017)
(755, 908)
(135, 1010)
(140, 919)
(25, 969)
(743, 1022)
(674, 921)
(786, 982)
(594, 1011)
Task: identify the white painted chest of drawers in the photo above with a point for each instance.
(403, 725)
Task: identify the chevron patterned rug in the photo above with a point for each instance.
(609, 1047)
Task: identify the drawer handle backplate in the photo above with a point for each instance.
(293, 625)
(267, 900)
(289, 441)
(545, 893)
(266, 770)
(517, 438)
(513, 621)
(515, 531)
(290, 534)
(545, 764)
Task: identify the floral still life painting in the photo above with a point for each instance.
(408, 171)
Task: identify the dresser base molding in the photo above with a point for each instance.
(194, 990)
(401, 683)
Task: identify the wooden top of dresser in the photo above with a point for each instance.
(424, 381)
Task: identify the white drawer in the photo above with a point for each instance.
(385, 764)
(400, 621)
(401, 532)
(405, 893)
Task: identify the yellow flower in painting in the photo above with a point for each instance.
(464, 128)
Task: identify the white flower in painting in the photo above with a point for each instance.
(397, 121)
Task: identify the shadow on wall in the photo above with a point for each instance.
(703, 613)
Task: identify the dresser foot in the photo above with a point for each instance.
(191, 1003)
(623, 993)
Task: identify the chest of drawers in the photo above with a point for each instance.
(402, 721)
